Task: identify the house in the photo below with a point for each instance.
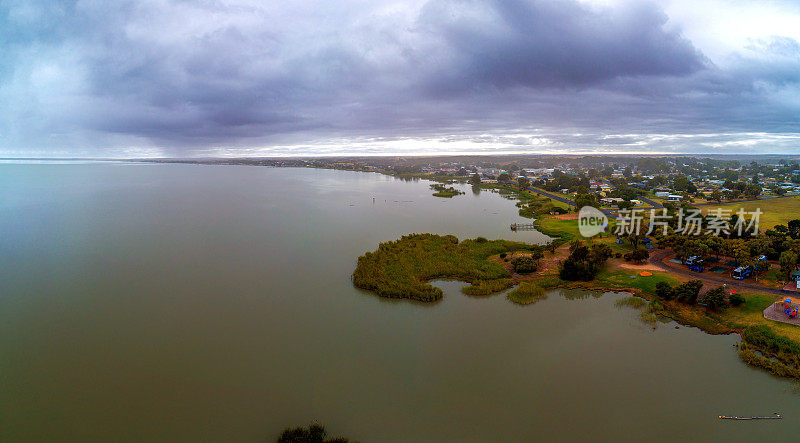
(662, 194)
(674, 197)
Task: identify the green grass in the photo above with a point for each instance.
(526, 293)
(622, 279)
(776, 211)
(401, 268)
(563, 230)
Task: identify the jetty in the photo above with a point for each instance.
(776, 416)
(522, 227)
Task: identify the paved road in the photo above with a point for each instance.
(607, 212)
(552, 196)
(657, 259)
(654, 204)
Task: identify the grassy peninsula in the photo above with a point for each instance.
(401, 268)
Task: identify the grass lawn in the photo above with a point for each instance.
(776, 211)
(567, 230)
(624, 279)
(752, 314)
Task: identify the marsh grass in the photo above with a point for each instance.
(526, 293)
(486, 287)
(633, 302)
(401, 268)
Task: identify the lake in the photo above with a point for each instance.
(157, 302)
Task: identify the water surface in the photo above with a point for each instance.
(214, 303)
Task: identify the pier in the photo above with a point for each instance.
(776, 416)
(522, 227)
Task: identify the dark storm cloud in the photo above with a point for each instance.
(547, 43)
(184, 76)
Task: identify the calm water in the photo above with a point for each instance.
(181, 302)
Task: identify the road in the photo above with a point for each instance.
(657, 259)
(654, 204)
(552, 196)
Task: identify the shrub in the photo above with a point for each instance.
(313, 434)
(481, 240)
(503, 255)
(526, 293)
(525, 265)
(583, 262)
(715, 299)
(637, 255)
(687, 292)
(664, 290)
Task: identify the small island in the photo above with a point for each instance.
(402, 268)
(445, 191)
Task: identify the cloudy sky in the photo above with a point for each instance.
(263, 78)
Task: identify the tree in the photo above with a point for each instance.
(715, 299)
(638, 255)
(582, 200)
(628, 172)
(788, 261)
(752, 190)
(664, 290)
(759, 267)
(599, 253)
(635, 238)
(715, 196)
(523, 182)
(524, 265)
(625, 204)
(475, 179)
(681, 183)
(504, 177)
(687, 292)
(794, 228)
(583, 262)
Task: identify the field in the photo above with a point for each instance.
(776, 211)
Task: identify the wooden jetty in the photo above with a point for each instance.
(776, 416)
(522, 227)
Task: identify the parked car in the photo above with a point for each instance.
(693, 260)
(696, 268)
(742, 272)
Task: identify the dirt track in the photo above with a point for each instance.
(657, 259)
